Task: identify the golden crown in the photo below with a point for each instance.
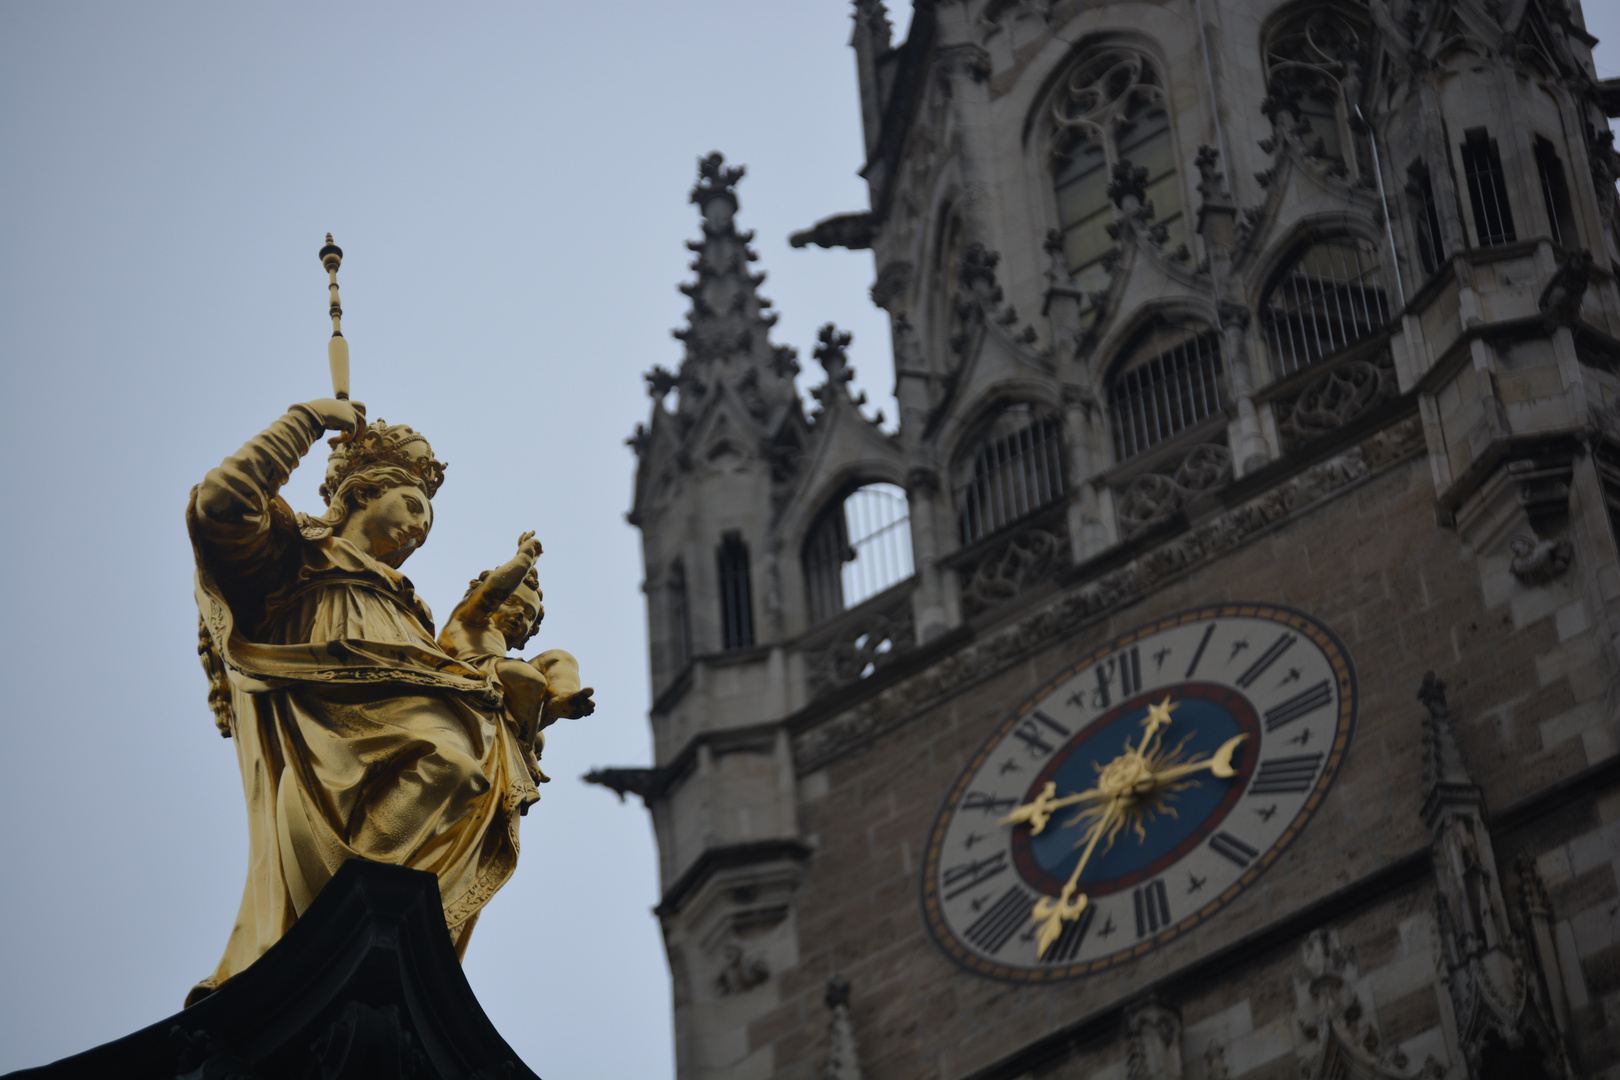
(381, 443)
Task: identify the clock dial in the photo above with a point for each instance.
(1138, 792)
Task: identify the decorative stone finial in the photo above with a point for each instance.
(1445, 780)
(715, 181)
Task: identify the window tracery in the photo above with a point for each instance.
(1112, 111)
(1315, 58)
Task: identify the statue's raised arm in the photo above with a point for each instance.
(358, 735)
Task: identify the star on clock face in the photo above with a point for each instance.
(1125, 796)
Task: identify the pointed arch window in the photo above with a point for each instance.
(680, 616)
(1315, 57)
(1169, 381)
(1112, 110)
(736, 596)
(1328, 296)
(858, 547)
(1012, 469)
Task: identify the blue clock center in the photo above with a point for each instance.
(1168, 821)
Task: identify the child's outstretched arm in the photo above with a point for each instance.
(504, 579)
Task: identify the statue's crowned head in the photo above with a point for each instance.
(368, 490)
(379, 446)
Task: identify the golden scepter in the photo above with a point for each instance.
(337, 349)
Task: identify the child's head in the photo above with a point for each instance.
(519, 617)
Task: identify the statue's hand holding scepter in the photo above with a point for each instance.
(337, 412)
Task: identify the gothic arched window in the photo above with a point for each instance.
(1112, 110)
(1328, 296)
(858, 547)
(1013, 468)
(1169, 381)
(736, 594)
(680, 617)
(1314, 59)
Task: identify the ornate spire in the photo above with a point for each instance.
(1445, 778)
(727, 334)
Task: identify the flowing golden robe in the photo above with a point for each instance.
(357, 735)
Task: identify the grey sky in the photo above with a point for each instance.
(509, 185)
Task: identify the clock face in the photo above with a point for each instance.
(1138, 792)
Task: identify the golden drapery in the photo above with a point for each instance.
(357, 735)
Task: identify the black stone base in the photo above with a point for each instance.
(365, 985)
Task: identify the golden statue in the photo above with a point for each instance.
(359, 735)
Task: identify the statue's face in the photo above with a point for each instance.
(392, 525)
(519, 614)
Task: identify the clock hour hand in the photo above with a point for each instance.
(1039, 810)
(1051, 915)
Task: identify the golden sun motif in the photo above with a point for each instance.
(1130, 790)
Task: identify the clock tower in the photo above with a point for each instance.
(1217, 672)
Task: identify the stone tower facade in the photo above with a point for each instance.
(1236, 342)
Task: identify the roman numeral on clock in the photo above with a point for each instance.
(988, 804)
(1228, 846)
(1128, 663)
(960, 878)
(1306, 701)
(1265, 660)
(991, 930)
(1203, 643)
(1152, 908)
(1030, 734)
(1285, 775)
(1069, 941)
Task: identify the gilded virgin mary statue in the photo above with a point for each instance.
(359, 734)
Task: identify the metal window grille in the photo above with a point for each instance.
(680, 617)
(1170, 391)
(878, 521)
(826, 549)
(1555, 193)
(1331, 296)
(1425, 218)
(736, 599)
(859, 546)
(1016, 470)
(1487, 189)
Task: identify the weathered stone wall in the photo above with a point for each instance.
(1406, 598)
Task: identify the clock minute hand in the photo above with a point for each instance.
(1219, 764)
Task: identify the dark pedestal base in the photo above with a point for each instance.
(364, 986)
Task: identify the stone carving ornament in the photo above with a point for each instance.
(1336, 398)
(1152, 497)
(860, 648)
(1013, 567)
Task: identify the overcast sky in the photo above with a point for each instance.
(509, 186)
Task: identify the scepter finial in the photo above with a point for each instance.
(337, 349)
